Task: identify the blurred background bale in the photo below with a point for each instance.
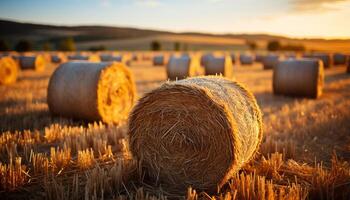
(33, 62)
(290, 55)
(270, 61)
(182, 67)
(81, 57)
(58, 58)
(159, 60)
(258, 57)
(217, 65)
(246, 59)
(339, 59)
(205, 58)
(301, 78)
(324, 57)
(91, 91)
(195, 132)
(8, 70)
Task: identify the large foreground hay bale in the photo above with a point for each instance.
(270, 61)
(195, 132)
(91, 91)
(339, 59)
(36, 62)
(182, 67)
(246, 59)
(8, 70)
(219, 65)
(303, 78)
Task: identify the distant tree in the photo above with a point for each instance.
(97, 48)
(47, 46)
(274, 45)
(251, 44)
(293, 47)
(23, 45)
(155, 46)
(4, 46)
(176, 46)
(67, 44)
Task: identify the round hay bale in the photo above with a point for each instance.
(246, 59)
(219, 65)
(58, 58)
(270, 61)
(325, 58)
(259, 58)
(195, 132)
(182, 67)
(110, 58)
(205, 58)
(8, 70)
(290, 56)
(36, 63)
(158, 60)
(91, 91)
(79, 57)
(304, 78)
(339, 59)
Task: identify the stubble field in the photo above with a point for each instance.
(304, 153)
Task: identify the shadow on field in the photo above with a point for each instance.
(35, 120)
(268, 99)
(336, 77)
(11, 103)
(34, 78)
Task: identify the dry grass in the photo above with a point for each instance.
(304, 154)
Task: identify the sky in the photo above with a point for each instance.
(328, 19)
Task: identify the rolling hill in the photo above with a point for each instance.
(123, 38)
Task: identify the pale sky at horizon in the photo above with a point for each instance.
(293, 18)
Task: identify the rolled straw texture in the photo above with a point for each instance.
(91, 91)
(195, 132)
(303, 78)
(219, 65)
(8, 70)
(182, 67)
(36, 62)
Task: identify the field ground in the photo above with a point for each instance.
(304, 154)
(196, 42)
